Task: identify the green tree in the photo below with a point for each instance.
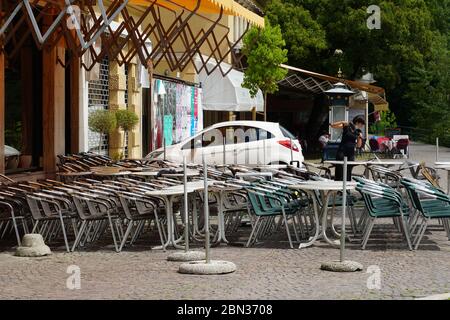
(304, 36)
(102, 122)
(387, 120)
(264, 49)
(408, 55)
(127, 121)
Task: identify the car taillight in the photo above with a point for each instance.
(287, 144)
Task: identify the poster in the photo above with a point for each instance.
(177, 112)
(168, 129)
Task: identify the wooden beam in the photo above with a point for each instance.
(26, 57)
(53, 107)
(2, 111)
(75, 104)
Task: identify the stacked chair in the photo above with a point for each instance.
(80, 213)
(381, 201)
(428, 203)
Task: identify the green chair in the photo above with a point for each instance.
(382, 201)
(431, 203)
(266, 209)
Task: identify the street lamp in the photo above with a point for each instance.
(338, 101)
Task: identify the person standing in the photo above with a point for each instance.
(323, 140)
(351, 139)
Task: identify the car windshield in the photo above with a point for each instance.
(286, 133)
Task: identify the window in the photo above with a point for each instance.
(287, 133)
(232, 134)
(98, 96)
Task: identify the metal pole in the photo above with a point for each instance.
(437, 149)
(164, 144)
(186, 214)
(164, 139)
(264, 151)
(206, 208)
(344, 209)
(292, 152)
(224, 157)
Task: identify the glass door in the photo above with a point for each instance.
(337, 113)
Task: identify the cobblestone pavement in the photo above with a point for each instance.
(262, 273)
(267, 271)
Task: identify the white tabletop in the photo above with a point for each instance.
(443, 167)
(323, 185)
(385, 163)
(146, 173)
(363, 163)
(256, 174)
(189, 173)
(179, 189)
(111, 174)
(353, 163)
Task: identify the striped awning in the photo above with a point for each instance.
(230, 7)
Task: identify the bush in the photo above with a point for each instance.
(126, 119)
(387, 121)
(102, 121)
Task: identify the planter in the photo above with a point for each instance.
(12, 162)
(25, 161)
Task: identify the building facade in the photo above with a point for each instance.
(138, 55)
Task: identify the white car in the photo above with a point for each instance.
(237, 142)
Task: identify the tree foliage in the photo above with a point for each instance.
(102, 121)
(126, 119)
(387, 120)
(264, 49)
(409, 55)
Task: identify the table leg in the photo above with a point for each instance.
(366, 172)
(196, 233)
(448, 181)
(168, 201)
(325, 201)
(333, 230)
(316, 221)
(221, 219)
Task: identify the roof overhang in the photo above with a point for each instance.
(317, 83)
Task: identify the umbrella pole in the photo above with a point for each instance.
(343, 265)
(344, 209)
(207, 267)
(186, 255)
(186, 215)
(437, 149)
(206, 208)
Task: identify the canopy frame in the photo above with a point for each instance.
(128, 40)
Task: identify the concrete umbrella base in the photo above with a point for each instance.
(32, 246)
(187, 256)
(344, 266)
(201, 267)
